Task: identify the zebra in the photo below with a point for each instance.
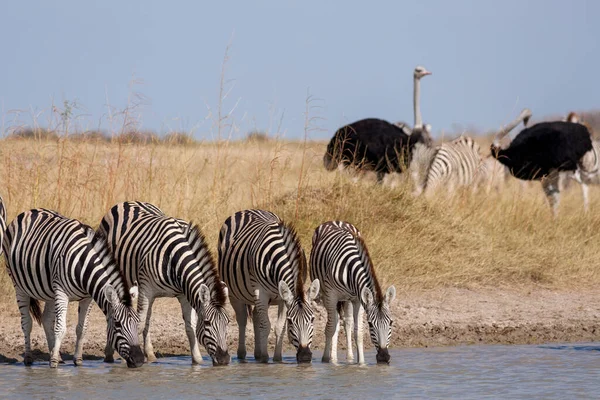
(457, 163)
(588, 168)
(262, 263)
(340, 261)
(56, 259)
(170, 258)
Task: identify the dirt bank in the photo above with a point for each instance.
(439, 317)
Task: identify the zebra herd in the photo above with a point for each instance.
(140, 253)
(547, 151)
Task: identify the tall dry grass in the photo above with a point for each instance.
(500, 239)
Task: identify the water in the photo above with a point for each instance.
(464, 372)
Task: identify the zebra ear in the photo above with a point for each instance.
(226, 291)
(204, 294)
(390, 294)
(285, 293)
(366, 297)
(134, 291)
(111, 295)
(313, 290)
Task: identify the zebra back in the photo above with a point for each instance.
(269, 247)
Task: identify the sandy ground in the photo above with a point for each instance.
(440, 317)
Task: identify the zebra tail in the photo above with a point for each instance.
(249, 311)
(340, 309)
(36, 311)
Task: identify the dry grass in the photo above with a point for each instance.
(471, 240)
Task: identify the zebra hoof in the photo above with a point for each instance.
(151, 358)
(78, 362)
(196, 361)
(28, 359)
(53, 363)
(109, 359)
(241, 355)
(277, 359)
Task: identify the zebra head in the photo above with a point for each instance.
(300, 318)
(213, 321)
(380, 321)
(122, 327)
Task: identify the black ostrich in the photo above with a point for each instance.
(542, 151)
(373, 144)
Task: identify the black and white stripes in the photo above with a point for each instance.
(56, 259)
(170, 258)
(341, 262)
(262, 263)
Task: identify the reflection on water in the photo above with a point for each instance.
(465, 372)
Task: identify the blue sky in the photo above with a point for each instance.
(489, 59)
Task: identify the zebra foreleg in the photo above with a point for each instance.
(83, 312)
(23, 302)
(348, 325)
(331, 331)
(190, 318)
(61, 303)
(358, 331)
(279, 327)
(262, 327)
(145, 303)
(241, 316)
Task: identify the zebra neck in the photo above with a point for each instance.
(101, 299)
(191, 281)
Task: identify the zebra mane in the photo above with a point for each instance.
(363, 247)
(206, 261)
(294, 249)
(116, 277)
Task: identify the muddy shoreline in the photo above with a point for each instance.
(439, 317)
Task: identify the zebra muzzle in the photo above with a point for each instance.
(383, 356)
(221, 357)
(136, 357)
(304, 355)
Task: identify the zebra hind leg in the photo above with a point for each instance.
(83, 312)
(262, 327)
(48, 321)
(190, 319)
(358, 331)
(145, 303)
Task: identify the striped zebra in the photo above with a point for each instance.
(170, 258)
(262, 263)
(340, 261)
(56, 259)
(588, 168)
(453, 164)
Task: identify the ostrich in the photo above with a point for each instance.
(377, 145)
(542, 151)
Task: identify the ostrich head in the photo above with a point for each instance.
(420, 72)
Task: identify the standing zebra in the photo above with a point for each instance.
(262, 263)
(169, 258)
(457, 163)
(56, 259)
(340, 260)
(588, 168)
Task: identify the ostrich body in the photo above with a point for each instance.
(542, 151)
(377, 145)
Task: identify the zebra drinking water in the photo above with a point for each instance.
(340, 261)
(56, 259)
(170, 258)
(262, 263)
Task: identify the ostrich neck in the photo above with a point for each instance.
(504, 131)
(416, 103)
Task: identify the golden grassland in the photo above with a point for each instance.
(499, 239)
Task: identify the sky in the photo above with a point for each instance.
(347, 59)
